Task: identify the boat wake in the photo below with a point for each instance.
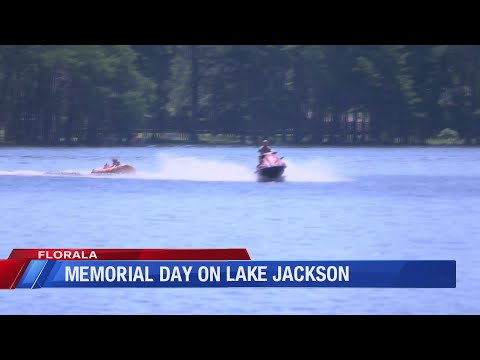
(71, 173)
(39, 173)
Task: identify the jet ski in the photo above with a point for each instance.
(115, 169)
(271, 167)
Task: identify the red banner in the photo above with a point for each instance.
(130, 254)
(10, 272)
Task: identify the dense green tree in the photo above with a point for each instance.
(334, 94)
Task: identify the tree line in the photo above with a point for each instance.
(318, 94)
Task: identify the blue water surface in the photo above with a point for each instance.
(413, 203)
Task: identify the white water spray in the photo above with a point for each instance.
(312, 171)
(198, 169)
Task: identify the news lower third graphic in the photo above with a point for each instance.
(215, 268)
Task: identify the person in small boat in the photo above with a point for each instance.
(106, 166)
(263, 150)
(115, 162)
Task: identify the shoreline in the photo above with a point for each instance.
(236, 145)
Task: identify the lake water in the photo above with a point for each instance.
(411, 203)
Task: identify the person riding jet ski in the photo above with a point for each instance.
(263, 150)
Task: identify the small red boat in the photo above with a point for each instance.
(115, 169)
